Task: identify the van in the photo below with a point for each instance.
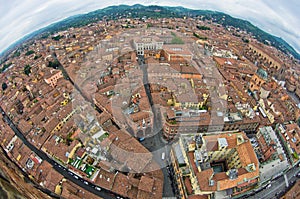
(163, 156)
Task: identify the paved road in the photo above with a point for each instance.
(59, 168)
(278, 186)
(294, 97)
(154, 143)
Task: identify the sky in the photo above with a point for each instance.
(21, 17)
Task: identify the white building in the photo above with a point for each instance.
(147, 43)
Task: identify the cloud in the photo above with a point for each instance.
(19, 18)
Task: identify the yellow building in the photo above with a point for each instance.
(224, 163)
(258, 79)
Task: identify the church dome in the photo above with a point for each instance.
(262, 73)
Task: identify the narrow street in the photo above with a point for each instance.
(154, 143)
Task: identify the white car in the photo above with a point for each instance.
(255, 144)
(85, 182)
(76, 177)
(98, 188)
(269, 185)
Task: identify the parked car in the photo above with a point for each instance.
(255, 144)
(252, 140)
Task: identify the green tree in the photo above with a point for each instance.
(17, 54)
(176, 39)
(203, 28)
(27, 69)
(30, 52)
(5, 66)
(36, 57)
(57, 38)
(149, 25)
(4, 86)
(54, 64)
(199, 36)
(245, 40)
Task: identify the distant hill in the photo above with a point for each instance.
(114, 12)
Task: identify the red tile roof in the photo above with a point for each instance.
(146, 184)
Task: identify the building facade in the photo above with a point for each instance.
(223, 165)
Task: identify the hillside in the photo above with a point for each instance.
(139, 11)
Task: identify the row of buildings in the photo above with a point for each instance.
(212, 92)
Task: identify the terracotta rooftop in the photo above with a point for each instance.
(38, 118)
(146, 184)
(7, 136)
(293, 131)
(188, 185)
(24, 126)
(121, 185)
(228, 183)
(50, 73)
(138, 162)
(246, 154)
(66, 110)
(103, 117)
(212, 141)
(198, 197)
(73, 191)
(59, 149)
(203, 180)
(48, 176)
(143, 194)
(36, 109)
(133, 192)
(224, 61)
(80, 152)
(51, 124)
(139, 115)
(65, 85)
(105, 179)
(66, 129)
(221, 181)
(121, 135)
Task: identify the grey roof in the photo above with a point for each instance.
(178, 153)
